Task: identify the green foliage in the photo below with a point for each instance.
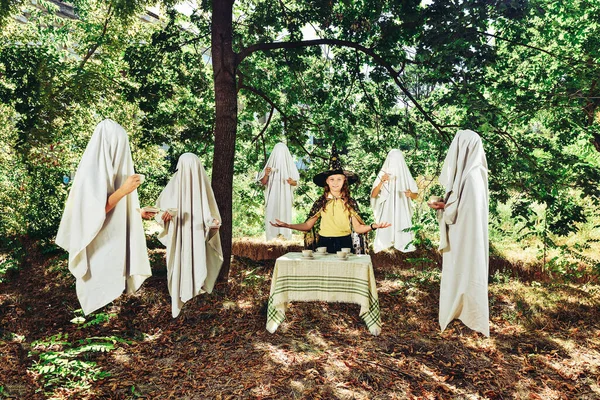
(500, 277)
(98, 318)
(571, 264)
(14, 256)
(6, 265)
(169, 83)
(68, 365)
(51, 98)
(154, 163)
(248, 209)
(7, 7)
(252, 279)
(423, 228)
(426, 277)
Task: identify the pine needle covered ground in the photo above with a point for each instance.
(545, 341)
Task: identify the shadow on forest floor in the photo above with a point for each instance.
(544, 344)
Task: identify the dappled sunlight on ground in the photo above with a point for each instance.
(120, 356)
(545, 341)
(153, 337)
(388, 286)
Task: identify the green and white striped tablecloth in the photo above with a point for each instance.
(324, 278)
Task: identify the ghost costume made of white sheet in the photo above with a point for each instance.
(194, 255)
(279, 194)
(107, 252)
(464, 235)
(392, 205)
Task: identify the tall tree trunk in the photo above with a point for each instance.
(223, 62)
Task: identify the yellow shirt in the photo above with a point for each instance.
(335, 219)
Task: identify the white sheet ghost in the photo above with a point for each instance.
(464, 234)
(392, 205)
(194, 255)
(107, 251)
(279, 194)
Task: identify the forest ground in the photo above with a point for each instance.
(544, 344)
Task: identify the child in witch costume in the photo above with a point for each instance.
(336, 209)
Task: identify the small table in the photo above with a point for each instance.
(324, 278)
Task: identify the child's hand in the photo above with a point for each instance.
(279, 224)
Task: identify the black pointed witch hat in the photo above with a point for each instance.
(335, 168)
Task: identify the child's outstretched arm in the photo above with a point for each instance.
(362, 228)
(305, 226)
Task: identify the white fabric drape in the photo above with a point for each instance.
(464, 234)
(392, 205)
(107, 252)
(279, 194)
(194, 255)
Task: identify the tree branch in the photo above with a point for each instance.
(194, 40)
(95, 46)
(571, 60)
(284, 116)
(344, 43)
(592, 103)
(261, 94)
(308, 153)
(370, 99)
(264, 127)
(284, 10)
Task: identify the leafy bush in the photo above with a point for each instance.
(13, 258)
(6, 265)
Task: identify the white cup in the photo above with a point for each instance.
(346, 250)
(342, 254)
(307, 253)
(435, 199)
(172, 211)
(142, 178)
(321, 250)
